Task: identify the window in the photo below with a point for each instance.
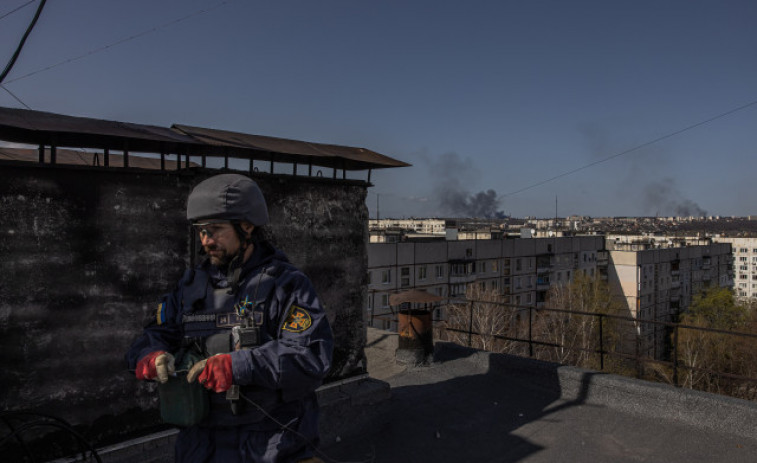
(439, 271)
(405, 271)
(495, 284)
(528, 298)
(743, 259)
(743, 267)
(495, 266)
(517, 300)
(457, 289)
(370, 277)
(518, 265)
(422, 272)
(517, 282)
(744, 250)
(483, 267)
(384, 300)
(386, 276)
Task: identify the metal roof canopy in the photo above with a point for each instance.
(294, 151)
(55, 130)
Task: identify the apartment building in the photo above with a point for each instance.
(522, 270)
(655, 276)
(658, 283)
(425, 226)
(744, 267)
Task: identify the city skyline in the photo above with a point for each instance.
(621, 109)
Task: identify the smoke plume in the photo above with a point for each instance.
(664, 198)
(450, 173)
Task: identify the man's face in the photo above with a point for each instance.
(220, 242)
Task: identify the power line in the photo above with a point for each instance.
(13, 59)
(17, 8)
(84, 161)
(14, 96)
(123, 40)
(636, 148)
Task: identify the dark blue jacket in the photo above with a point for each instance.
(294, 355)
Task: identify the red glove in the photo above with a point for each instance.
(214, 373)
(158, 364)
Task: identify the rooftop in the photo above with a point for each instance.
(480, 407)
(474, 406)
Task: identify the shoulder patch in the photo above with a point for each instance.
(160, 315)
(297, 321)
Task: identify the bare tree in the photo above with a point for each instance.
(484, 319)
(573, 329)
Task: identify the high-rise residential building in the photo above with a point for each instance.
(656, 279)
(744, 266)
(657, 284)
(521, 270)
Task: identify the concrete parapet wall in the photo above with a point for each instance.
(636, 397)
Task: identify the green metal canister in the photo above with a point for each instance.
(183, 403)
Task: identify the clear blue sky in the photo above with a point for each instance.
(477, 95)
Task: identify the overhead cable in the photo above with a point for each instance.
(636, 148)
(121, 41)
(17, 8)
(13, 59)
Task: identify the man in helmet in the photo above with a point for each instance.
(256, 323)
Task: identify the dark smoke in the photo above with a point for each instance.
(664, 198)
(450, 173)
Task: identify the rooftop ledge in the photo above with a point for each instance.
(477, 406)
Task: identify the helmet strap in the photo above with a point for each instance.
(235, 266)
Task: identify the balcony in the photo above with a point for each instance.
(462, 278)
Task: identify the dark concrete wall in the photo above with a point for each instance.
(87, 254)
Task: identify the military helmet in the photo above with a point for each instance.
(227, 197)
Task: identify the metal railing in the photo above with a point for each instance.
(634, 343)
